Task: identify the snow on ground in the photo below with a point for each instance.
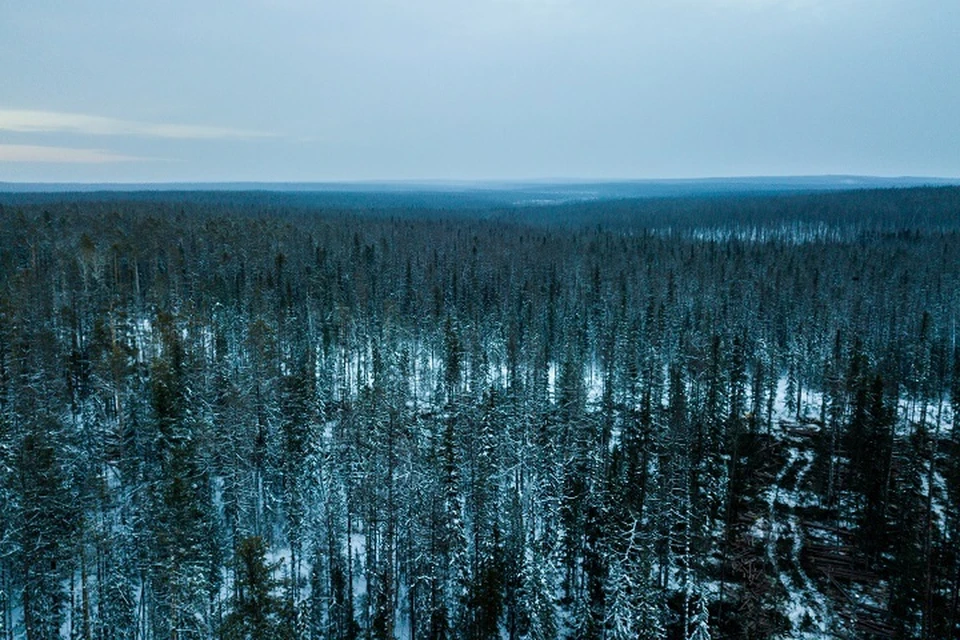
(938, 499)
(810, 612)
(358, 548)
(594, 383)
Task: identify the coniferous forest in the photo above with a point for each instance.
(249, 415)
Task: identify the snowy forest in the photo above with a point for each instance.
(245, 415)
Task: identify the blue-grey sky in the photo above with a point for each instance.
(297, 90)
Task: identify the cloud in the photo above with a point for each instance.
(61, 155)
(30, 121)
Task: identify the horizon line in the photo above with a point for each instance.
(486, 181)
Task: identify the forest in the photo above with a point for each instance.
(234, 416)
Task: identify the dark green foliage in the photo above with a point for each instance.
(49, 520)
(907, 570)
(532, 422)
(258, 612)
(871, 466)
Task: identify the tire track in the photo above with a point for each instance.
(807, 608)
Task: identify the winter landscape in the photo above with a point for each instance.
(250, 415)
(480, 320)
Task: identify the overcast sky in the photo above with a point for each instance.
(297, 90)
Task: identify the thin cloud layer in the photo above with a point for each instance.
(61, 155)
(299, 90)
(31, 121)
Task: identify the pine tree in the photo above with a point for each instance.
(907, 566)
(701, 621)
(258, 611)
(49, 521)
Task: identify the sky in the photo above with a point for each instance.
(340, 90)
